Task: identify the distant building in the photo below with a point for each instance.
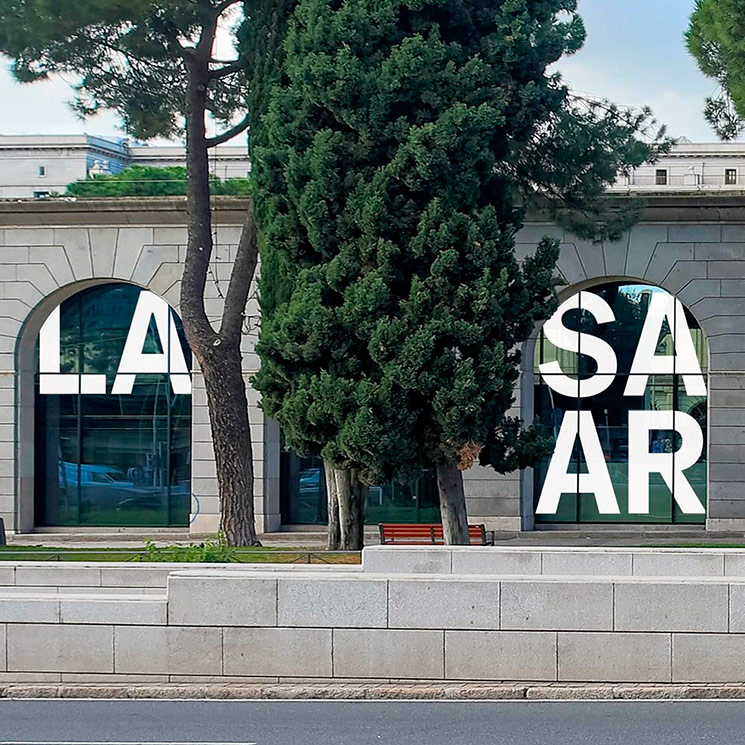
(39, 166)
(690, 166)
(43, 165)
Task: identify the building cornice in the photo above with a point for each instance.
(676, 206)
(659, 207)
(227, 210)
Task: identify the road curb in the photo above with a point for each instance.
(376, 691)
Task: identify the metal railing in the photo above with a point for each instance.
(684, 181)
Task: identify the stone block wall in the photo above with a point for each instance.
(51, 250)
(692, 246)
(278, 624)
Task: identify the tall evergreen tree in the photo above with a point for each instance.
(405, 145)
(715, 39)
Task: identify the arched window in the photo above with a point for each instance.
(113, 412)
(620, 375)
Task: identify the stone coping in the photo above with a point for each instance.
(377, 577)
(228, 210)
(554, 561)
(557, 549)
(678, 205)
(170, 565)
(447, 691)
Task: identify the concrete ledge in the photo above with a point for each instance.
(555, 562)
(228, 600)
(462, 691)
(52, 608)
(260, 627)
(118, 576)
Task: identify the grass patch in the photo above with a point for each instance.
(185, 554)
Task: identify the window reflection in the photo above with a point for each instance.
(111, 460)
(303, 496)
(610, 409)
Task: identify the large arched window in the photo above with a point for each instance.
(113, 412)
(620, 375)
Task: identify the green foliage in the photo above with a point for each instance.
(217, 551)
(404, 145)
(149, 181)
(716, 39)
(124, 55)
(261, 41)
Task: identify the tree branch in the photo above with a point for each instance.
(223, 6)
(228, 69)
(177, 47)
(241, 277)
(242, 126)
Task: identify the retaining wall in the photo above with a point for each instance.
(528, 615)
(116, 577)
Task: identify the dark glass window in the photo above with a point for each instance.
(610, 408)
(730, 176)
(660, 177)
(303, 496)
(112, 460)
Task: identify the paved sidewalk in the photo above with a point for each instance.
(378, 691)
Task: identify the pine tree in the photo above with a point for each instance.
(153, 62)
(714, 39)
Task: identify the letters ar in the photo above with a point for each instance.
(580, 424)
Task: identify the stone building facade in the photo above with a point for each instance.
(52, 250)
(691, 246)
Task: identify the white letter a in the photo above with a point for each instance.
(171, 360)
(597, 479)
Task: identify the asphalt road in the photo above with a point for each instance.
(371, 723)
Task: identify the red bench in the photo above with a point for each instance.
(421, 535)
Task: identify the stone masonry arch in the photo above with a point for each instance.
(49, 252)
(703, 265)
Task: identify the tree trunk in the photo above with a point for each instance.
(332, 500)
(231, 438)
(350, 503)
(218, 353)
(452, 505)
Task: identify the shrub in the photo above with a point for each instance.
(210, 551)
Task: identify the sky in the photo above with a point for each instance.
(634, 55)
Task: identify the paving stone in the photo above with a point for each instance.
(388, 653)
(280, 652)
(671, 606)
(167, 650)
(332, 602)
(443, 604)
(557, 605)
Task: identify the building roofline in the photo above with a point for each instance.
(113, 211)
(667, 207)
(677, 206)
(67, 142)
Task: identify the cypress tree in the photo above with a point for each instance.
(404, 145)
